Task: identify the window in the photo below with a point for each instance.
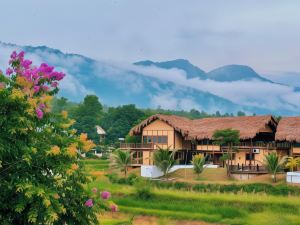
(155, 139)
(250, 156)
(145, 139)
(164, 139)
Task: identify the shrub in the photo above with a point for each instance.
(130, 180)
(143, 190)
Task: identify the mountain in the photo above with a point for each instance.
(175, 84)
(234, 73)
(182, 64)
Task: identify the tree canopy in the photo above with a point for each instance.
(87, 115)
(41, 176)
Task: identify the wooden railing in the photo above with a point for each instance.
(136, 146)
(249, 168)
(266, 145)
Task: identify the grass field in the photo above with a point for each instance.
(169, 206)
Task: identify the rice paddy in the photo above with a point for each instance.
(168, 206)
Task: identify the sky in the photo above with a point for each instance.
(262, 34)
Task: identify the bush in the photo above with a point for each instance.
(115, 179)
(143, 190)
(283, 190)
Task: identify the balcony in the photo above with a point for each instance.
(259, 145)
(136, 146)
(250, 169)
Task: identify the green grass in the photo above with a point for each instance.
(212, 207)
(220, 208)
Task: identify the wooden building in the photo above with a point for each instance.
(190, 137)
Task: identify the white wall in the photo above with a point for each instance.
(293, 177)
(154, 171)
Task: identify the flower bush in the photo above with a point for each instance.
(41, 174)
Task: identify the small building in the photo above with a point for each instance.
(101, 133)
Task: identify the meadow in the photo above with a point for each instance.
(177, 206)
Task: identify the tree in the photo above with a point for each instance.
(164, 159)
(229, 138)
(241, 113)
(198, 163)
(41, 174)
(121, 160)
(87, 116)
(292, 163)
(274, 164)
(118, 121)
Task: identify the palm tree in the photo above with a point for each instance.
(292, 163)
(274, 164)
(229, 138)
(164, 159)
(198, 163)
(121, 160)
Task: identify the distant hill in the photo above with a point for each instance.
(234, 73)
(182, 64)
(173, 84)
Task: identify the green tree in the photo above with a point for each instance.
(118, 121)
(121, 160)
(198, 163)
(228, 138)
(164, 159)
(41, 175)
(87, 115)
(274, 164)
(292, 163)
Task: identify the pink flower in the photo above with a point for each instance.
(113, 208)
(21, 55)
(39, 113)
(9, 71)
(105, 195)
(13, 55)
(94, 190)
(54, 84)
(26, 63)
(42, 105)
(36, 89)
(89, 203)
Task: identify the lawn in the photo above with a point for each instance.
(168, 206)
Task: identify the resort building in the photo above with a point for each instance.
(258, 137)
(288, 134)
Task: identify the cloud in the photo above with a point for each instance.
(253, 93)
(69, 86)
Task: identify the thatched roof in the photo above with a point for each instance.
(204, 128)
(179, 123)
(288, 129)
(100, 130)
(249, 126)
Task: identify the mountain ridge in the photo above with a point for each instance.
(173, 84)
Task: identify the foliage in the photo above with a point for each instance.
(274, 164)
(118, 121)
(263, 188)
(42, 175)
(164, 159)
(292, 163)
(143, 190)
(62, 104)
(87, 116)
(133, 139)
(115, 179)
(198, 162)
(121, 160)
(227, 137)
